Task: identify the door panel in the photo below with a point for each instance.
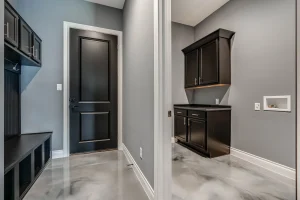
(93, 91)
(197, 133)
(94, 126)
(11, 20)
(209, 63)
(94, 70)
(37, 49)
(25, 38)
(181, 127)
(191, 68)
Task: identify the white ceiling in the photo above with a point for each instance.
(191, 12)
(111, 3)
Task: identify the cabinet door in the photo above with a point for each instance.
(25, 38)
(181, 127)
(37, 49)
(209, 64)
(11, 20)
(191, 68)
(197, 129)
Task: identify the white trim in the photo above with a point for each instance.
(162, 100)
(119, 34)
(57, 154)
(139, 174)
(264, 163)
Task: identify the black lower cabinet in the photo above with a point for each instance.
(23, 163)
(204, 129)
(180, 127)
(197, 133)
(9, 186)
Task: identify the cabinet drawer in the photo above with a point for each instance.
(180, 112)
(197, 114)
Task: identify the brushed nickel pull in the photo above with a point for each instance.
(195, 81)
(179, 112)
(195, 115)
(184, 122)
(7, 30)
(33, 50)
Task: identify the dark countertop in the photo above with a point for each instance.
(202, 107)
(19, 147)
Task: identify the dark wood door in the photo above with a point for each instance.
(93, 91)
(25, 38)
(197, 130)
(209, 65)
(191, 68)
(11, 20)
(37, 48)
(180, 127)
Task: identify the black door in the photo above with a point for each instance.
(209, 63)
(191, 69)
(25, 38)
(197, 134)
(37, 48)
(93, 91)
(180, 128)
(11, 20)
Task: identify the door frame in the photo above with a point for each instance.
(66, 91)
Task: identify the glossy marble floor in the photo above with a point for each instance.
(98, 176)
(225, 178)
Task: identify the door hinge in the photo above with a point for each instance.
(169, 113)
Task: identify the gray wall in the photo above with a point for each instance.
(182, 36)
(42, 104)
(263, 63)
(138, 85)
(1, 102)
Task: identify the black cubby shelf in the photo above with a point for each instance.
(25, 158)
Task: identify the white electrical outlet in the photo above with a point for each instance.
(59, 87)
(217, 101)
(257, 106)
(141, 153)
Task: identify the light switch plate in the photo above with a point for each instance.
(59, 87)
(257, 106)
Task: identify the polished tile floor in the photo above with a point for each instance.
(225, 178)
(98, 176)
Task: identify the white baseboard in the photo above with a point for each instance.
(57, 154)
(264, 163)
(138, 172)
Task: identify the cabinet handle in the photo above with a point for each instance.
(179, 112)
(195, 81)
(7, 30)
(189, 123)
(195, 115)
(33, 50)
(184, 121)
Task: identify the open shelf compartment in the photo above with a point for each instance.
(47, 150)
(277, 103)
(38, 160)
(9, 189)
(25, 174)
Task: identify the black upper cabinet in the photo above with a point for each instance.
(25, 38)
(209, 64)
(22, 44)
(192, 69)
(37, 48)
(11, 20)
(208, 61)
